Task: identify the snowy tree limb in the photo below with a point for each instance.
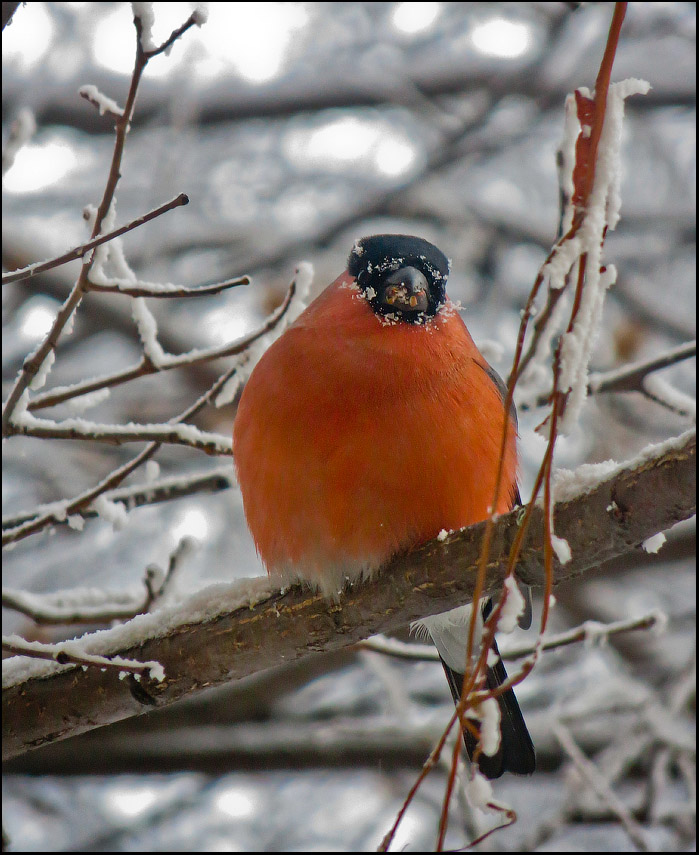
(601, 521)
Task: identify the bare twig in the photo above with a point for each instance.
(630, 377)
(80, 251)
(592, 777)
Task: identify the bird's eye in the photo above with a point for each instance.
(406, 290)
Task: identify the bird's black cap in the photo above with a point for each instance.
(403, 277)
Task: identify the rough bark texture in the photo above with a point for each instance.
(646, 499)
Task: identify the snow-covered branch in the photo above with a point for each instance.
(590, 632)
(176, 434)
(600, 519)
(97, 605)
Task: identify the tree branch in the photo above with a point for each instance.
(80, 251)
(599, 522)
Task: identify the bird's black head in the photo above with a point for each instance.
(402, 277)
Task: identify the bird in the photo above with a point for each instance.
(372, 424)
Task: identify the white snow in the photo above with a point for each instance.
(42, 374)
(104, 104)
(201, 606)
(655, 543)
(113, 512)
(489, 715)
(86, 402)
(148, 332)
(74, 649)
(562, 548)
(513, 607)
(479, 791)
(569, 484)
(144, 11)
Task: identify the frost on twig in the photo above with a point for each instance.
(65, 510)
(97, 605)
(80, 251)
(102, 220)
(171, 434)
(590, 632)
(583, 239)
(100, 101)
(71, 653)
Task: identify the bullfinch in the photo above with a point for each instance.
(369, 426)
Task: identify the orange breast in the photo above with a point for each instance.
(356, 439)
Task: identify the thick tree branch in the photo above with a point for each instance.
(611, 518)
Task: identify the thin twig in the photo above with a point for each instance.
(588, 631)
(592, 777)
(79, 607)
(33, 363)
(629, 378)
(136, 496)
(64, 509)
(194, 357)
(158, 290)
(67, 652)
(188, 435)
(80, 251)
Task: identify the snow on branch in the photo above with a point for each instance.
(160, 490)
(102, 217)
(195, 356)
(100, 101)
(172, 434)
(67, 652)
(633, 378)
(71, 510)
(589, 632)
(247, 627)
(96, 605)
(80, 251)
(593, 177)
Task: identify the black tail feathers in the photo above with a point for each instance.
(516, 752)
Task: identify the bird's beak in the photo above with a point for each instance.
(406, 290)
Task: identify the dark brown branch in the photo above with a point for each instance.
(657, 492)
(80, 251)
(631, 377)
